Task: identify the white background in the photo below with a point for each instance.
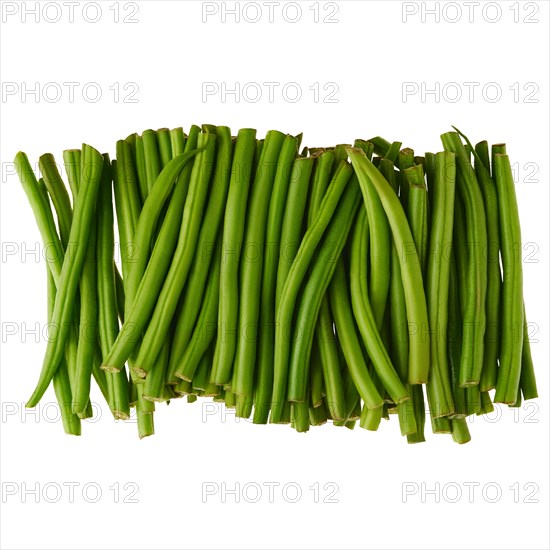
(169, 52)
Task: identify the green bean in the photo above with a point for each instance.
(61, 382)
(151, 157)
(144, 412)
(140, 169)
(345, 328)
(58, 192)
(460, 431)
(417, 315)
(291, 232)
(92, 163)
(128, 185)
(318, 415)
(488, 377)
(205, 328)
(396, 293)
(371, 418)
(278, 201)
(233, 231)
(454, 333)
(198, 274)
(200, 378)
(418, 410)
(72, 159)
(299, 416)
(528, 383)
(316, 380)
(476, 284)
(512, 288)
(153, 389)
(87, 340)
(367, 147)
(417, 212)
(486, 403)
(404, 160)
(177, 141)
(363, 311)
(251, 269)
(393, 151)
(156, 282)
(285, 308)
(165, 146)
(441, 425)
(440, 396)
(381, 146)
(107, 309)
(482, 151)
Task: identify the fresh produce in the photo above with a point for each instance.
(298, 287)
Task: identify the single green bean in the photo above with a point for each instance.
(165, 146)
(72, 159)
(440, 396)
(512, 288)
(151, 157)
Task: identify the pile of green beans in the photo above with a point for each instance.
(297, 286)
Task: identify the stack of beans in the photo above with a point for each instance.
(297, 287)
